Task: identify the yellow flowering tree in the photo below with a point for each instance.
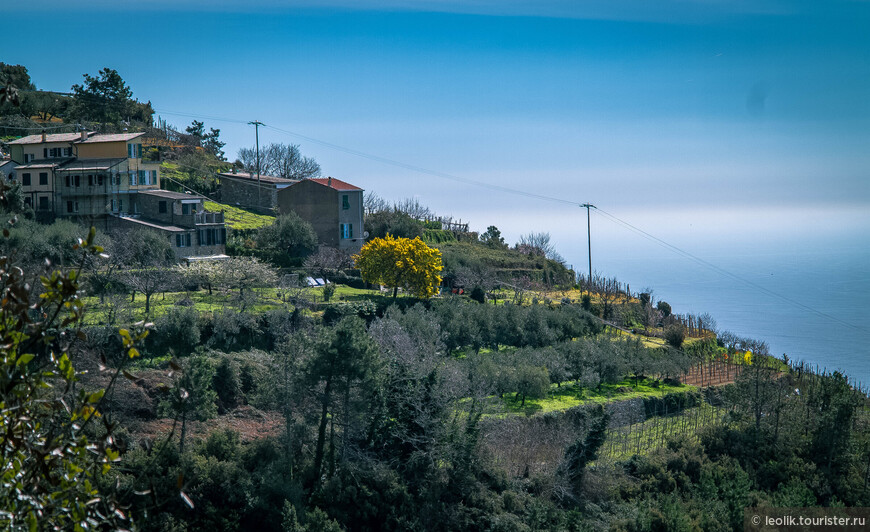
(401, 262)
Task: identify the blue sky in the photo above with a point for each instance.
(696, 120)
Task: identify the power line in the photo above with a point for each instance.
(509, 190)
(722, 271)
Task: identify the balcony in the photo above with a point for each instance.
(207, 217)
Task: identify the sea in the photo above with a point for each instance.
(802, 286)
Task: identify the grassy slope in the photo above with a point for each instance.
(237, 218)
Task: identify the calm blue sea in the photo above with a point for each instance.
(826, 275)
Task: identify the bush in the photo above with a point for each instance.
(477, 294)
(227, 384)
(675, 334)
(177, 331)
(328, 291)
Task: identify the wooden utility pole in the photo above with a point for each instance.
(589, 242)
(257, 124)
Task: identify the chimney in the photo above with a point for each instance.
(329, 182)
(43, 135)
(84, 135)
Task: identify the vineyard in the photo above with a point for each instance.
(778, 391)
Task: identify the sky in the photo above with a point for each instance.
(726, 128)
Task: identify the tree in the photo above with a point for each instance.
(281, 160)
(147, 257)
(532, 381)
(289, 236)
(104, 98)
(245, 273)
(53, 458)
(492, 238)
(192, 395)
(536, 244)
(13, 78)
(401, 262)
(196, 129)
(392, 222)
(345, 357)
(212, 143)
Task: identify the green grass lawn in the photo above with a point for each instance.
(569, 395)
(97, 313)
(237, 218)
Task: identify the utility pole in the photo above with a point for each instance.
(257, 124)
(589, 240)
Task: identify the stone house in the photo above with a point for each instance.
(333, 207)
(249, 191)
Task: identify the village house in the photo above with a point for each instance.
(333, 207)
(104, 180)
(250, 192)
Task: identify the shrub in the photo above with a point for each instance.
(477, 294)
(226, 384)
(675, 334)
(177, 330)
(664, 308)
(328, 291)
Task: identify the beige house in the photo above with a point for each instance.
(103, 180)
(84, 176)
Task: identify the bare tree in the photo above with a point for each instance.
(373, 203)
(150, 280)
(282, 160)
(538, 244)
(327, 259)
(413, 208)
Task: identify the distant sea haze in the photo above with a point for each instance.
(830, 275)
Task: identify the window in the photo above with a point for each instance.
(186, 208)
(25, 180)
(143, 177)
(134, 151)
(118, 179)
(45, 153)
(43, 178)
(161, 207)
(43, 203)
(67, 152)
(133, 181)
(182, 241)
(346, 230)
(28, 202)
(345, 202)
(72, 206)
(77, 180)
(28, 157)
(100, 180)
(90, 180)
(212, 236)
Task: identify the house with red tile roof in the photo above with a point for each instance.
(332, 206)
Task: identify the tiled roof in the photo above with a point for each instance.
(114, 137)
(168, 194)
(55, 137)
(332, 182)
(42, 163)
(83, 165)
(275, 180)
(154, 224)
